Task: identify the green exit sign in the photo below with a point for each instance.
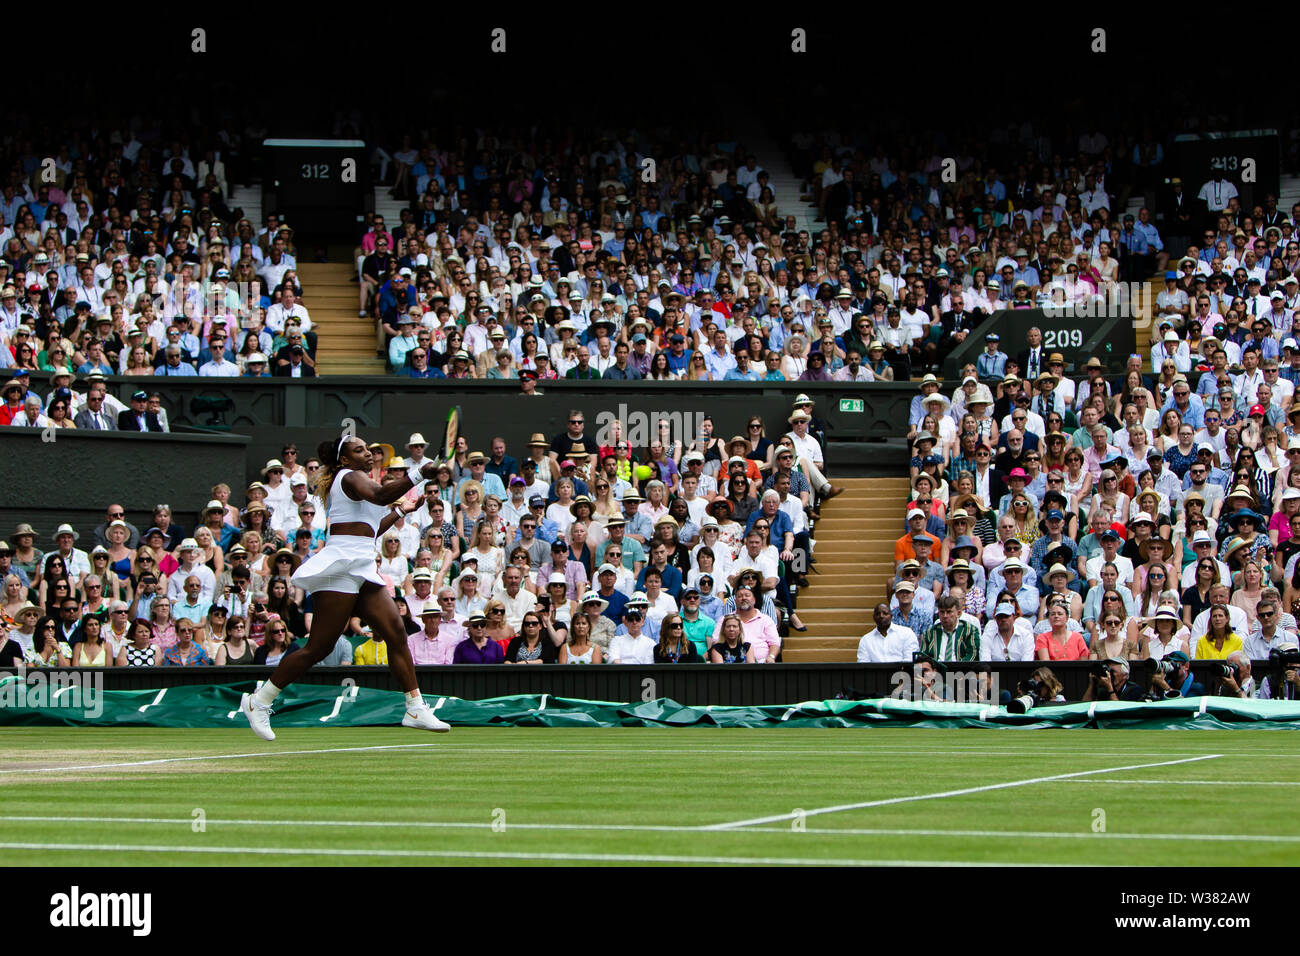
(850, 404)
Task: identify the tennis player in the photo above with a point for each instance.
(342, 580)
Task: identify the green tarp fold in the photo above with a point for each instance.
(308, 705)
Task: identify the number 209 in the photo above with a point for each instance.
(1062, 338)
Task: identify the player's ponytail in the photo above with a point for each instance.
(328, 453)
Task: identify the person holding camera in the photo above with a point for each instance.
(234, 597)
(1039, 689)
(1109, 680)
(1174, 674)
(1283, 680)
(1232, 677)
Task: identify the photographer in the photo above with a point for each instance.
(1176, 676)
(1232, 677)
(927, 682)
(1109, 680)
(1283, 680)
(234, 596)
(1041, 686)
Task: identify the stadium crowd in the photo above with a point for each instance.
(1053, 516)
(565, 551)
(1067, 517)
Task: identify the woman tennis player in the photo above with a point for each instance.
(342, 581)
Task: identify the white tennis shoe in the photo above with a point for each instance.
(422, 718)
(259, 716)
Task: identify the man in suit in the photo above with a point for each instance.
(292, 361)
(1032, 360)
(94, 416)
(138, 418)
(958, 322)
(1177, 209)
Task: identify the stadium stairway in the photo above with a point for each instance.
(786, 186)
(345, 342)
(854, 559)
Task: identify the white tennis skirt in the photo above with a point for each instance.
(344, 564)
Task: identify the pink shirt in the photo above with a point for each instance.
(424, 650)
(760, 634)
(1074, 650)
(1092, 459)
(450, 633)
(368, 241)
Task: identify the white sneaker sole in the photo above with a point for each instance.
(246, 708)
(425, 722)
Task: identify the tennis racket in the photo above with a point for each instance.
(450, 432)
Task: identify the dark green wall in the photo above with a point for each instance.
(75, 477)
(76, 474)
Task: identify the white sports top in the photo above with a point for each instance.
(342, 508)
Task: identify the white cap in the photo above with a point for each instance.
(613, 570)
(915, 513)
(298, 479)
(1171, 336)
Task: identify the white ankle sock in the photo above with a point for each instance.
(266, 694)
(414, 699)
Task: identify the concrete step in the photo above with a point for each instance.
(836, 615)
(808, 656)
(805, 643)
(354, 366)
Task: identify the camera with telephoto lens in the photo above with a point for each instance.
(1030, 690)
(1226, 669)
(1284, 659)
(1099, 669)
(1164, 668)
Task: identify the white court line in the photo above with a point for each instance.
(1195, 783)
(653, 828)
(498, 855)
(706, 751)
(756, 821)
(161, 760)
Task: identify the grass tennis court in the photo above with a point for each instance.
(90, 797)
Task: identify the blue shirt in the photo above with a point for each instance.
(617, 601)
(1150, 233)
(779, 526)
(991, 367)
(1135, 242)
(672, 580)
(1194, 415)
(736, 375)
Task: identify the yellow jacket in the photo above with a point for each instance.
(371, 652)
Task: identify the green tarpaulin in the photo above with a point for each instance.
(308, 705)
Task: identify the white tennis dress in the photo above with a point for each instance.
(346, 561)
